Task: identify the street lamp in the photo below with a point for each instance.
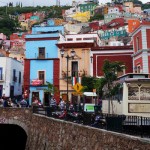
(62, 52)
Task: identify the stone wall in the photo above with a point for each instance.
(50, 134)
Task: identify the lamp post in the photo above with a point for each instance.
(62, 52)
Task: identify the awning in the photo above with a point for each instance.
(89, 94)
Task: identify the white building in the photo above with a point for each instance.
(133, 99)
(11, 77)
(114, 10)
(80, 38)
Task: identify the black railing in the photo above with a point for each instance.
(132, 125)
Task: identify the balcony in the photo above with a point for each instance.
(72, 74)
(36, 82)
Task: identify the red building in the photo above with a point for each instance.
(141, 44)
(111, 53)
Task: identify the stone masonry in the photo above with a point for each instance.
(50, 134)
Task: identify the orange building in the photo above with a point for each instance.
(132, 25)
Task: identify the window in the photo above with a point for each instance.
(78, 39)
(69, 39)
(19, 77)
(41, 75)
(1, 73)
(74, 69)
(138, 69)
(14, 75)
(137, 43)
(41, 52)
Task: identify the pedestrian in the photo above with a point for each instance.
(23, 103)
(62, 104)
(5, 103)
(53, 103)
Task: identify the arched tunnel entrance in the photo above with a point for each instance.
(12, 137)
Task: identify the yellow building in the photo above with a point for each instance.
(82, 16)
(58, 21)
(77, 67)
(24, 25)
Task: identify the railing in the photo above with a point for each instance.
(132, 125)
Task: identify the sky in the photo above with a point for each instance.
(49, 2)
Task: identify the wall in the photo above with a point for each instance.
(8, 64)
(51, 134)
(148, 38)
(32, 48)
(139, 35)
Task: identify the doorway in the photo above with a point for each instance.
(11, 91)
(46, 99)
(34, 96)
(1, 90)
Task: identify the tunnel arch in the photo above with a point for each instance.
(12, 136)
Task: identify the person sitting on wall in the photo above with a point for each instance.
(6, 103)
(23, 103)
(53, 103)
(35, 102)
(62, 104)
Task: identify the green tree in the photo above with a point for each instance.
(110, 70)
(88, 83)
(98, 85)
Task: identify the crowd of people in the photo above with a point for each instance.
(24, 102)
(13, 102)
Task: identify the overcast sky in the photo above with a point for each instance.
(48, 2)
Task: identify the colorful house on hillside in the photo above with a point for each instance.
(141, 43)
(133, 24)
(42, 62)
(17, 41)
(87, 7)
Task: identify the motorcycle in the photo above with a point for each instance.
(99, 122)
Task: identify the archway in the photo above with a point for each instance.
(12, 137)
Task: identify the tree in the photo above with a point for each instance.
(51, 89)
(96, 17)
(111, 87)
(98, 85)
(88, 83)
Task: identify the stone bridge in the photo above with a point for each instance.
(44, 133)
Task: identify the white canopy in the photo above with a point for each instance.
(89, 94)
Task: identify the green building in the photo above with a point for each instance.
(87, 7)
(116, 33)
(110, 17)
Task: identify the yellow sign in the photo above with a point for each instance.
(77, 87)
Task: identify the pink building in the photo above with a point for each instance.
(2, 36)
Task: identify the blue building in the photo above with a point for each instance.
(42, 62)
